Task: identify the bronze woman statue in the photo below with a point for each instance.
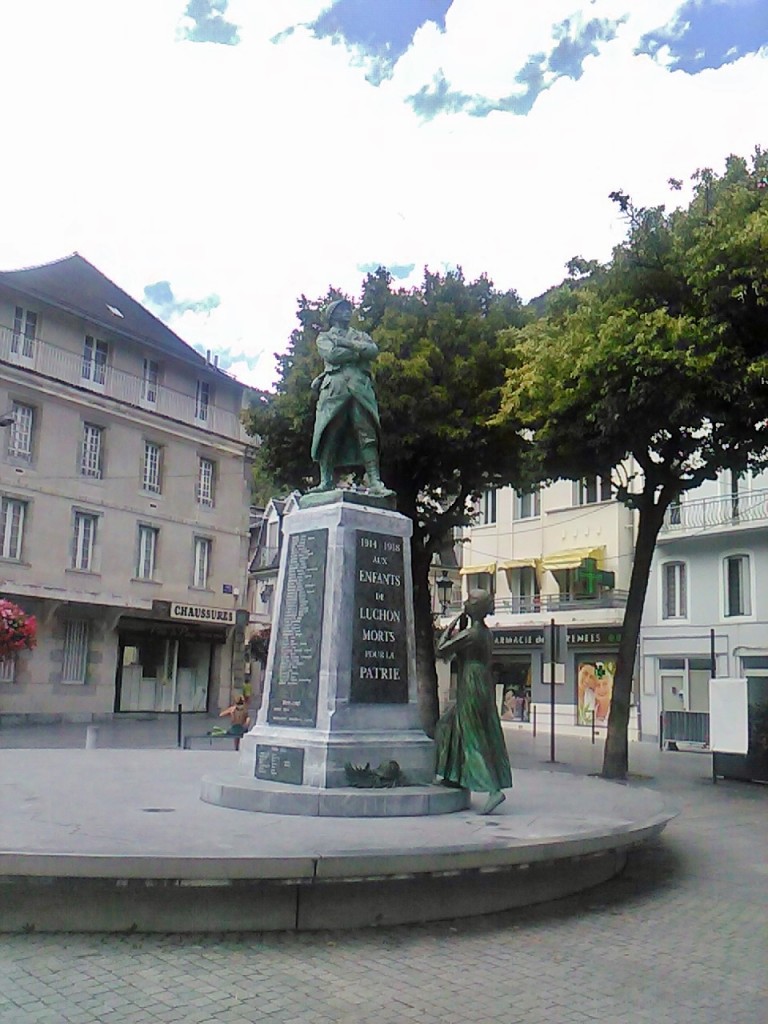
(347, 417)
(471, 752)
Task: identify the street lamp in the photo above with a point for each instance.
(8, 419)
(445, 586)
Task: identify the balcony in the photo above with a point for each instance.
(728, 511)
(561, 602)
(41, 357)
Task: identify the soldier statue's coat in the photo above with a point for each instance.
(345, 383)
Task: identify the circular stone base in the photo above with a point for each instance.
(70, 866)
(244, 794)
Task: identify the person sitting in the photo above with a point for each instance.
(239, 718)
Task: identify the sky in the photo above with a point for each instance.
(219, 158)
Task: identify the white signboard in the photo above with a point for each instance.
(201, 613)
(728, 727)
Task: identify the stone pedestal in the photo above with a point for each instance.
(340, 684)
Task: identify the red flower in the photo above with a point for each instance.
(18, 631)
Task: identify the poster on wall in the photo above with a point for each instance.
(594, 689)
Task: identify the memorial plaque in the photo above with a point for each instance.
(280, 764)
(379, 644)
(296, 667)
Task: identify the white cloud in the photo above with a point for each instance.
(261, 171)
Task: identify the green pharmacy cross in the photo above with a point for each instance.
(592, 577)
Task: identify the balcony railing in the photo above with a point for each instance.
(41, 357)
(728, 510)
(561, 602)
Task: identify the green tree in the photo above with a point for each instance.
(438, 381)
(654, 370)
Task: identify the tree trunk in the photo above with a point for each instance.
(426, 672)
(616, 755)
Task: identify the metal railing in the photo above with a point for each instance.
(67, 367)
(684, 727)
(561, 602)
(727, 510)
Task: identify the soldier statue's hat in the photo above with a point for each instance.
(331, 308)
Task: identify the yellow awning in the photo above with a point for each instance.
(519, 563)
(572, 559)
(473, 570)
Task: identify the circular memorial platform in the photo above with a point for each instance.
(111, 840)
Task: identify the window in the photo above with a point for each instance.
(202, 566)
(75, 651)
(145, 568)
(20, 432)
(12, 514)
(737, 586)
(674, 600)
(84, 541)
(488, 507)
(528, 589)
(592, 489)
(206, 471)
(151, 476)
(202, 400)
(149, 384)
(94, 360)
(90, 457)
(482, 581)
(527, 506)
(8, 669)
(24, 331)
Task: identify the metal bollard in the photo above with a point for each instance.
(91, 737)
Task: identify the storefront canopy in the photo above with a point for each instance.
(475, 570)
(572, 558)
(519, 563)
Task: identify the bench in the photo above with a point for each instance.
(210, 737)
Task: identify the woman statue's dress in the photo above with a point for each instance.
(471, 751)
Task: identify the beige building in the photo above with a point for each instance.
(124, 503)
(562, 554)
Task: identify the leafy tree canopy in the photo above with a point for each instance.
(438, 380)
(661, 356)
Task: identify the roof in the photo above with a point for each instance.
(76, 286)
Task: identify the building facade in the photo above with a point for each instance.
(124, 482)
(707, 602)
(560, 555)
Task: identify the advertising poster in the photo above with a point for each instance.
(593, 690)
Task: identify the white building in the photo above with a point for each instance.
(562, 554)
(707, 595)
(123, 502)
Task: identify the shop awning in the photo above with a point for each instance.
(474, 570)
(572, 558)
(519, 563)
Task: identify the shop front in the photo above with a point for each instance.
(516, 662)
(172, 659)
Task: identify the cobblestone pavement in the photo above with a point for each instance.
(681, 938)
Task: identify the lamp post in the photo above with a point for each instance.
(444, 586)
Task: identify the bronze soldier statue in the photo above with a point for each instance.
(347, 424)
